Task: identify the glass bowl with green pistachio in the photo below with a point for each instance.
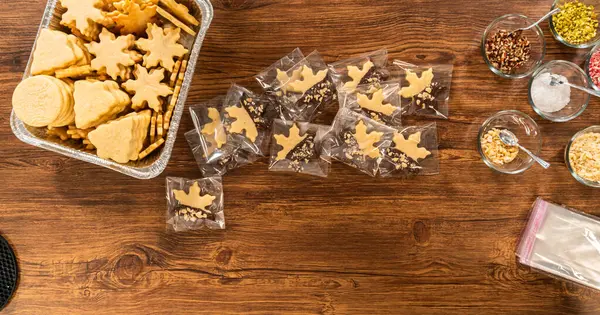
(510, 52)
(576, 25)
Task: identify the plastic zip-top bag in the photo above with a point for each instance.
(381, 104)
(302, 91)
(563, 243)
(358, 141)
(299, 147)
(368, 69)
(195, 204)
(413, 151)
(425, 89)
(247, 119)
(213, 151)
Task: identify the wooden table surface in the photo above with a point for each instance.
(92, 241)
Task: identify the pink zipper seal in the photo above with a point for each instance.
(536, 219)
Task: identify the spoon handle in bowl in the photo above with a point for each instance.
(587, 90)
(541, 19)
(541, 162)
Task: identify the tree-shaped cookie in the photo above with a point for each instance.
(416, 84)
(375, 103)
(113, 55)
(194, 198)
(357, 74)
(147, 88)
(288, 143)
(83, 16)
(133, 16)
(243, 122)
(366, 140)
(161, 47)
(410, 146)
(309, 79)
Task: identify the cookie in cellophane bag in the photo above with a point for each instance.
(299, 147)
(195, 204)
(381, 103)
(247, 119)
(413, 151)
(358, 141)
(225, 160)
(368, 69)
(425, 89)
(214, 152)
(301, 92)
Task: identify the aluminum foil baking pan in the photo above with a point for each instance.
(156, 163)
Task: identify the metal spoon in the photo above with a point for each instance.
(539, 21)
(510, 139)
(555, 80)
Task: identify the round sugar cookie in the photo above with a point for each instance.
(67, 115)
(38, 101)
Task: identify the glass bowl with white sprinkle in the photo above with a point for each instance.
(500, 157)
(551, 97)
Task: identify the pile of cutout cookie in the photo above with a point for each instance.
(367, 133)
(109, 80)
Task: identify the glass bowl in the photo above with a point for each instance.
(559, 38)
(526, 130)
(586, 67)
(534, 35)
(579, 99)
(568, 161)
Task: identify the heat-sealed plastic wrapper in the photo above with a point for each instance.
(358, 141)
(368, 69)
(381, 104)
(299, 147)
(425, 89)
(302, 91)
(214, 152)
(227, 159)
(195, 204)
(563, 243)
(413, 151)
(247, 119)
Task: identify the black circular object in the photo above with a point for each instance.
(8, 272)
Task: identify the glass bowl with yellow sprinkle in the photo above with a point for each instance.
(582, 156)
(576, 25)
(503, 158)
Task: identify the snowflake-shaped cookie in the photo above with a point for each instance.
(161, 47)
(148, 88)
(113, 55)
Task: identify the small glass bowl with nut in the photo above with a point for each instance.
(501, 157)
(510, 53)
(582, 156)
(576, 25)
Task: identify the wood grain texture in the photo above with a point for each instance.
(92, 241)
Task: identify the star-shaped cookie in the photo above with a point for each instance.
(147, 88)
